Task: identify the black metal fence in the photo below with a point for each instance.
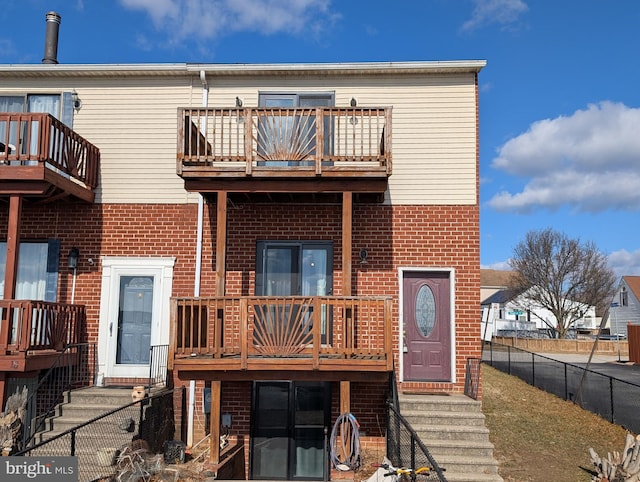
(405, 449)
(99, 442)
(613, 399)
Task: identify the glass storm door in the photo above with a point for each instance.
(134, 320)
(287, 430)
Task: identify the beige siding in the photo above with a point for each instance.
(133, 121)
(434, 127)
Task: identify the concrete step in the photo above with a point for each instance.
(453, 428)
(453, 432)
(438, 448)
(469, 477)
(455, 403)
(418, 418)
(465, 464)
(102, 396)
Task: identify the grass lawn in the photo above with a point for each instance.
(539, 437)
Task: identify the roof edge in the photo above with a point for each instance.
(154, 69)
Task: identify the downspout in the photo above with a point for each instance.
(198, 268)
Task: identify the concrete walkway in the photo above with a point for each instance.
(610, 365)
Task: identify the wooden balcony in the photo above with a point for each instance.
(43, 159)
(253, 337)
(324, 149)
(32, 333)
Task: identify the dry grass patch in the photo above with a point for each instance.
(539, 437)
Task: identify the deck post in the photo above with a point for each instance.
(221, 242)
(214, 422)
(345, 396)
(347, 239)
(13, 246)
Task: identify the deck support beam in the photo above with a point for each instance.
(214, 422)
(347, 240)
(221, 241)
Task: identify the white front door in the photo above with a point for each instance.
(134, 314)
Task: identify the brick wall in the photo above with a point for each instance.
(400, 236)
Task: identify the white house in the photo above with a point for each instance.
(510, 311)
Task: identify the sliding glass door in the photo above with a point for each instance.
(288, 424)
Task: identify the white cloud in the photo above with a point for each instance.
(500, 266)
(207, 19)
(501, 12)
(625, 263)
(587, 160)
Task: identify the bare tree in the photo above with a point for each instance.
(561, 275)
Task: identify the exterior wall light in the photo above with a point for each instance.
(72, 260)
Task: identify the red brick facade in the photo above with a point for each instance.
(398, 236)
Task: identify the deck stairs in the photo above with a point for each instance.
(453, 429)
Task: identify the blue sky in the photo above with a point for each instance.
(559, 98)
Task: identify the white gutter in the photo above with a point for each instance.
(198, 267)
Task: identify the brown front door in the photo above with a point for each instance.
(427, 326)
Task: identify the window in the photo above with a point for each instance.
(37, 277)
(287, 140)
(58, 105)
(285, 268)
(294, 269)
(624, 297)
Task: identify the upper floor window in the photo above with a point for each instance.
(14, 133)
(624, 297)
(58, 105)
(290, 140)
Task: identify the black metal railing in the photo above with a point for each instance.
(472, 378)
(613, 399)
(74, 368)
(98, 443)
(405, 449)
(158, 359)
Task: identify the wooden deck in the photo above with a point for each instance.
(255, 147)
(34, 333)
(43, 159)
(244, 336)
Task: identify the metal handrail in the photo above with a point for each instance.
(56, 387)
(418, 456)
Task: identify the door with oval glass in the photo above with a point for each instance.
(427, 326)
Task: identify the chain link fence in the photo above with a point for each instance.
(613, 399)
(97, 443)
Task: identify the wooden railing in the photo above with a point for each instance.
(278, 327)
(318, 139)
(39, 325)
(28, 139)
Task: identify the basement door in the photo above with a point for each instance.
(427, 326)
(134, 314)
(288, 421)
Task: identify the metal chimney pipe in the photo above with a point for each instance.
(51, 38)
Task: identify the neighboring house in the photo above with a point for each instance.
(510, 312)
(294, 233)
(492, 281)
(625, 306)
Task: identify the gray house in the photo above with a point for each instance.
(625, 305)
